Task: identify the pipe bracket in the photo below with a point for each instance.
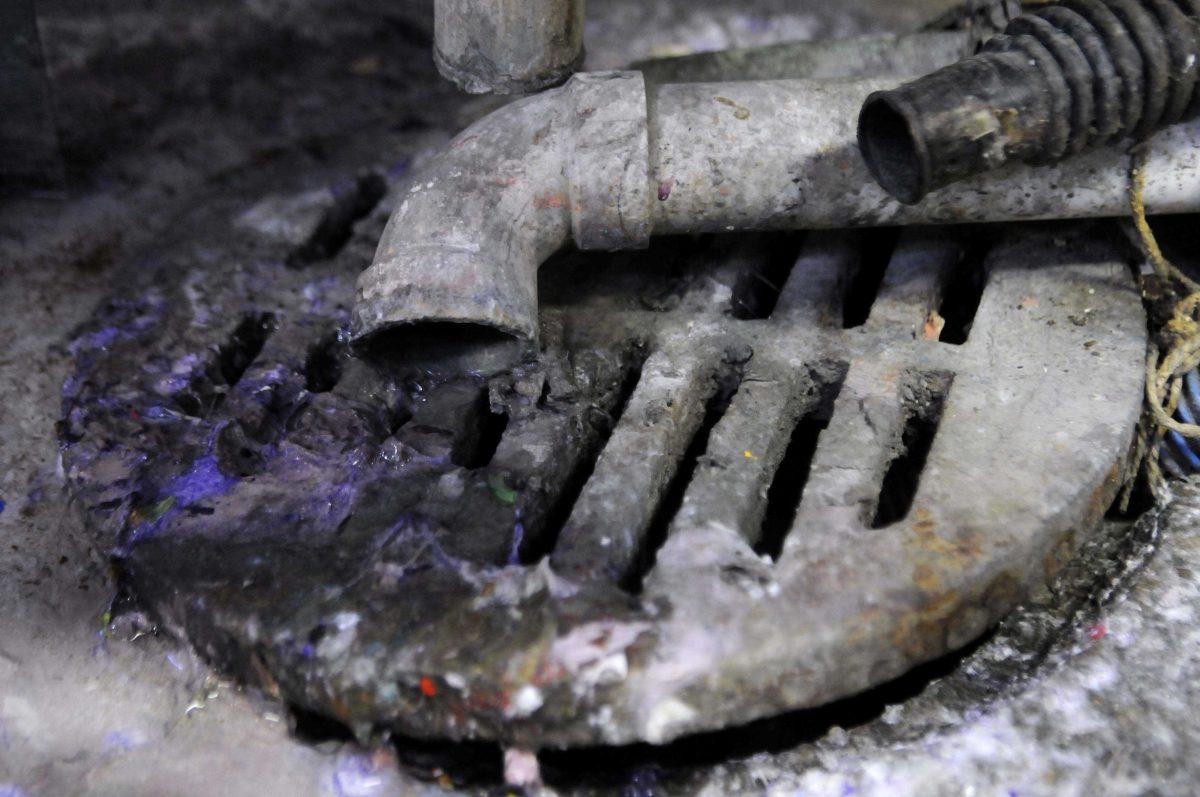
(609, 165)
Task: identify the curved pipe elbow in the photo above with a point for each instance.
(582, 161)
(465, 243)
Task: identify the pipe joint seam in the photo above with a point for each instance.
(608, 167)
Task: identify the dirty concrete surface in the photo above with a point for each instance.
(1085, 691)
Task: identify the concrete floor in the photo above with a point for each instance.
(90, 708)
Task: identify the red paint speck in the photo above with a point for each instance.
(427, 687)
(1097, 631)
(133, 414)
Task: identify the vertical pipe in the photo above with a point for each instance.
(508, 46)
(29, 151)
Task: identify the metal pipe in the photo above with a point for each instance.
(859, 56)
(508, 46)
(1075, 74)
(607, 162)
(29, 148)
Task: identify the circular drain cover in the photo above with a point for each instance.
(740, 476)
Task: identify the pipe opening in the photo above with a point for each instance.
(892, 150)
(442, 347)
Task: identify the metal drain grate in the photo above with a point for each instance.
(724, 487)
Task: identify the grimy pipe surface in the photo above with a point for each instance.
(783, 155)
(1071, 75)
(606, 161)
(508, 46)
(858, 56)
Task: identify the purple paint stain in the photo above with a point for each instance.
(203, 480)
(172, 384)
(143, 323)
(758, 24)
(398, 170)
(847, 790)
(337, 503)
(343, 188)
(356, 777)
(158, 413)
(11, 790)
(314, 293)
(514, 553)
(121, 741)
(100, 339)
(100, 646)
(642, 783)
(664, 190)
(131, 318)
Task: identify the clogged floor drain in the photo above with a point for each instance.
(672, 519)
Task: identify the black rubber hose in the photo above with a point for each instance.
(1072, 75)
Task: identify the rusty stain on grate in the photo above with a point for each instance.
(722, 489)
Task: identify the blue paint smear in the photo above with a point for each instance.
(100, 339)
(203, 480)
(2, 505)
(120, 740)
(399, 169)
(514, 553)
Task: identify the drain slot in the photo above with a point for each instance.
(903, 475)
(672, 498)
(351, 203)
(206, 391)
(791, 477)
(961, 297)
(490, 430)
(757, 290)
(245, 344)
(863, 287)
(323, 367)
(455, 421)
(538, 544)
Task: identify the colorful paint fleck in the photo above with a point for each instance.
(500, 489)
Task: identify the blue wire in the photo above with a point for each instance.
(1183, 448)
(1189, 401)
